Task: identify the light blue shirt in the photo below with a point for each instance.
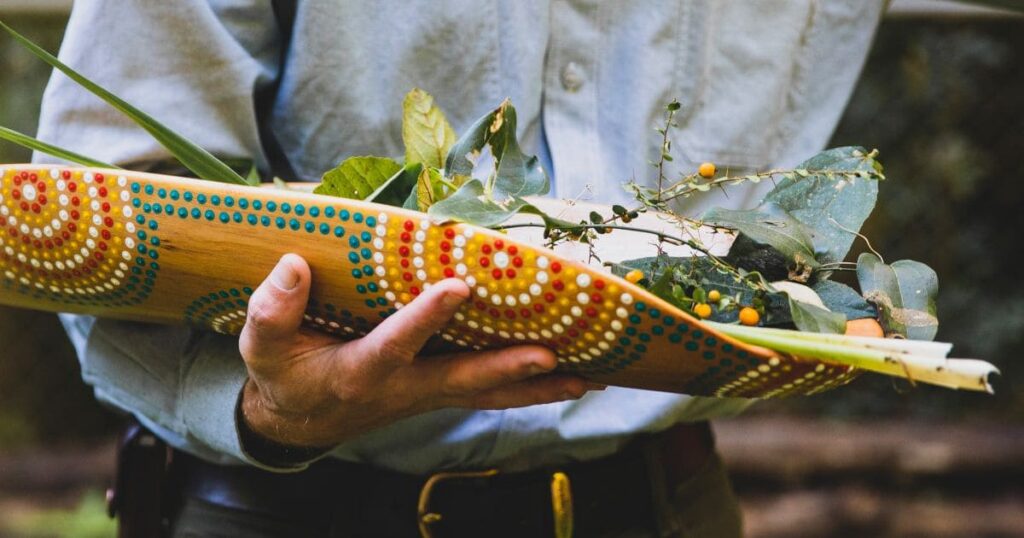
(761, 84)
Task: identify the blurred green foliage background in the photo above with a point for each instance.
(941, 100)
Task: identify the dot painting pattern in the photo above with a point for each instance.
(77, 237)
(71, 237)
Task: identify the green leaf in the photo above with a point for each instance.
(470, 204)
(811, 318)
(425, 131)
(399, 189)
(830, 205)
(769, 224)
(38, 145)
(195, 158)
(841, 298)
(516, 174)
(358, 177)
(429, 189)
(904, 293)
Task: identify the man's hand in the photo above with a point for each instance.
(307, 388)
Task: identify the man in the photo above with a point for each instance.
(762, 84)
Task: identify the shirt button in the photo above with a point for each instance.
(572, 77)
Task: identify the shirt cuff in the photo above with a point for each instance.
(210, 399)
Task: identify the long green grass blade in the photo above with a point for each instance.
(27, 141)
(195, 158)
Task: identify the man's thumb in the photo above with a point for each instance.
(276, 308)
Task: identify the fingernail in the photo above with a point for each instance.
(284, 276)
(536, 369)
(451, 300)
(596, 386)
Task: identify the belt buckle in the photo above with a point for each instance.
(561, 500)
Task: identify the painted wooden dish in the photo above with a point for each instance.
(164, 249)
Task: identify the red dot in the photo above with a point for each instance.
(26, 239)
(75, 201)
(17, 180)
(98, 255)
(408, 225)
(448, 272)
(512, 250)
(72, 186)
(484, 262)
(549, 297)
(16, 194)
(596, 297)
(573, 333)
(494, 313)
(565, 340)
(108, 222)
(33, 176)
(556, 267)
(404, 263)
(414, 290)
(407, 277)
(480, 305)
(525, 312)
(102, 192)
(76, 272)
(37, 243)
(75, 215)
(403, 250)
(537, 307)
(496, 274)
(41, 199)
(36, 208)
(72, 227)
(446, 246)
(449, 233)
(24, 175)
(58, 241)
(65, 234)
(105, 207)
(24, 206)
(486, 249)
(582, 324)
(405, 237)
(599, 284)
(517, 262)
(510, 272)
(41, 186)
(66, 174)
(102, 245)
(591, 311)
(49, 245)
(98, 178)
(12, 232)
(499, 244)
(558, 285)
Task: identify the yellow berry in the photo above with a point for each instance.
(749, 316)
(714, 296)
(706, 170)
(635, 276)
(703, 310)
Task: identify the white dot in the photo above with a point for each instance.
(546, 333)
(621, 312)
(460, 269)
(417, 261)
(29, 192)
(384, 284)
(557, 328)
(582, 298)
(381, 230)
(424, 224)
(382, 218)
(129, 227)
(417, 248)
(583, 280)
(380, 271)
(378, 257)
(542, 277)
(626, 298)
(504, 334)
(616, 325)
(122, 181)
(471, 280)
(510, 300)
(496, 299)
(54, 173)
(524, 298)
(481, 291)
(608, 335)
(576, 311)
(459, 241)
(457, 253)
(535, 289)
(542, 262)
(501, 259)
(421, 236)
(566, 320)
(421, 274)
(390, 296)
(125, 196)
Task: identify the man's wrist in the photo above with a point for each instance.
(254, 418)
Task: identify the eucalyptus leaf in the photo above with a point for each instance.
(904, 293)
(358, 177)
(470, 204)
(429, 189)
(830, 206)
(810, 318)
(29, 142)
(198, 160)
(425, 131)
(841, 298)
(769, 224)
(400, 189)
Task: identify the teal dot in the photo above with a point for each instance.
(237, 217)
(644, 337)
(658, 330)
(175, 195)
(370, 303)
(625, 341)
(300, 210)
(373, 287)
(343, 214)
(136, 202)
(188, 196)
(683, 328)
(279, 221)
(243, 203)
(142, 235)
(215, 200)
(668, 320)
(229, 201)
(209, 214)
(257, 204)
(310, 227)
(697, 334)
(728, 348)
(293, 223)
(252, 219)
(147, 207)
(325, 228)
(149, 189)
(339, 231)
(725, 362)
(381, 301)
(691, 346)
(195, 212)
(675, 338)
(640, 306)
(371, 221)
(162, 193)
(286, 207)
(631, 331)
(709, 355)
(357, 217)
(182, 212)
(142, 249)
(247, 290)
(634, 319)
(367, 270)
(353, 257)
(329, 212)
(201, 198)
(366, 237)
(742, 354)
(361, 288)
(654, 312)
(357, 273)
(314, 211)
(353, 242)
(136, 187)
(154, 254)
(155, 241)
(265, 220)
(157, 209)
(710, 341)
(169, 209)
(365, 253)
(271, 206)
(153, 225)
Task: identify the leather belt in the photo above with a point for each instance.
(349, 499)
